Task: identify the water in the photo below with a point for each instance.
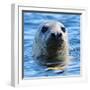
(31, 22)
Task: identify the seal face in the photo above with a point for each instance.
(50, 46)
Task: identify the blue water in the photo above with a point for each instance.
(31, 22)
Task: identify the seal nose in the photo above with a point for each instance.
(58, 35)
(53, 35)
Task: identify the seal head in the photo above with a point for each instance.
(50, 46)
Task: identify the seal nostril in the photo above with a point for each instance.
(53, 35)
(59, 35)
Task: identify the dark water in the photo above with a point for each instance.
(31, 22)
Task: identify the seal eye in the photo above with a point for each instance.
(44, 29)
(63, 29)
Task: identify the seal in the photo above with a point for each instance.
(50, 47)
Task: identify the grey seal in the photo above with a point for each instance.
(50, 47)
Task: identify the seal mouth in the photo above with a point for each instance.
(54, 43)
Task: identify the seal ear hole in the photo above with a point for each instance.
(44, 29)
(63, 29)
